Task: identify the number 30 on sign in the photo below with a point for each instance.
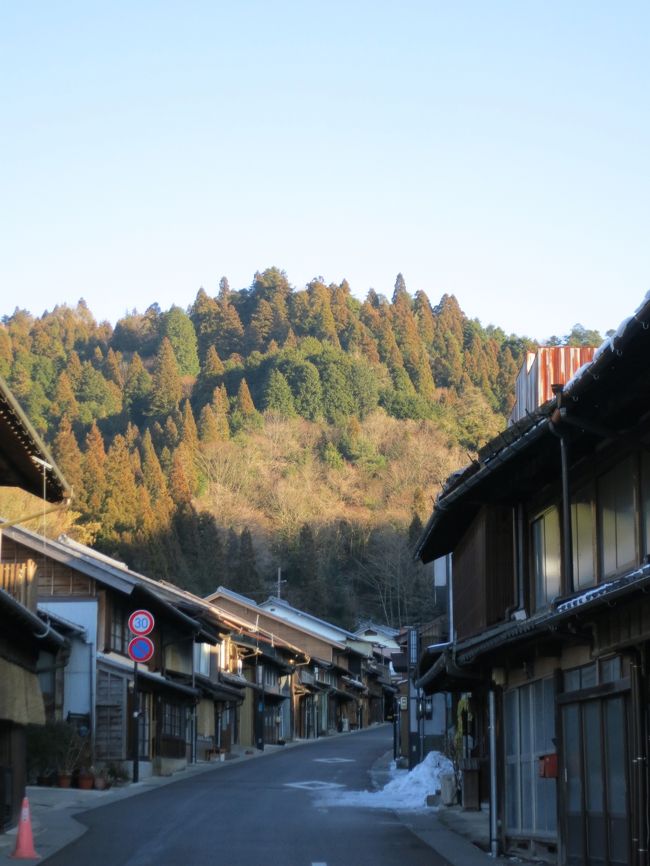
(141, 622)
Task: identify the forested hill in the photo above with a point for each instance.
(266, 428)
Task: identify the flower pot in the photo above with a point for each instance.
(85, 781)
(64, 780)
(101, 783)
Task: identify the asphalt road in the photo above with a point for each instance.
(270, 810)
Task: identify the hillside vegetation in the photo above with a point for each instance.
(266, 429)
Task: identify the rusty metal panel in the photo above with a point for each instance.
(550, 365)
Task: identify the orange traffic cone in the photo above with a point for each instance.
(25, 840)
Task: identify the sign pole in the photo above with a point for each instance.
(140, 649)
(136, 727)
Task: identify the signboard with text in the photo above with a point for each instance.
(141, 622)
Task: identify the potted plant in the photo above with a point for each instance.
(86, 778)
(102, 780)
(74, 756)
(116, 774)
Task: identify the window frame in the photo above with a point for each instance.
(540, 576)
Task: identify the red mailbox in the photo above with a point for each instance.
(548, 766)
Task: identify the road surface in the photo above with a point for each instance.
(270, 810)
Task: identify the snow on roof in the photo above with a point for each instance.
(283, 609)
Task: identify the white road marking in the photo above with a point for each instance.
(334, 760)
(314, 786)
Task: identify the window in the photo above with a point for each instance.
(582, 538)
(109, 724)
(529, 733)
(172, 720)
(202, 654)
(616, 518)
(120, 633)
(546, 556)
(606, 670)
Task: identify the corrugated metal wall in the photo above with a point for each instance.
(550, 365)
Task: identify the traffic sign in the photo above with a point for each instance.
(141, 622)
(140, 648)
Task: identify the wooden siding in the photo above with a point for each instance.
(312, 645)
(49, 577)
(111, 716)
(623, 625)
(483, 579)
(18, 579)
(500, 576)
(469, 580)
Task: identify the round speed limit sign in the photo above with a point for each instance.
(141, 622)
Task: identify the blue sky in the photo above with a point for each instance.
(495, 150)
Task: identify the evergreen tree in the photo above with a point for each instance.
(179, 485)
(245, 403)
(166, 388)
(179, 330)
(203, 314)
(210, 559)
(229, 331)
(6, 352)
(137, 388)
(213, 366)
(400, 294)
(155, 482)
(74, 370)
(209, 432)
(93, 486)
(244, 415)
(68, 456)
(305, 563)
(260, 328)
(97, 397)
(278, 397)
(424, 317)
(272, 287)
(319, 320)
(247, 578)
(187, 458)
(220, 407)
(171, 435)
(224, 289)
(113, 369)
(120, 514)
(189, 435)
(305, 384)
(65, 402)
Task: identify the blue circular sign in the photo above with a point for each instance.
(140, 649)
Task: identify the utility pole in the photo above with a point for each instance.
(278, 592)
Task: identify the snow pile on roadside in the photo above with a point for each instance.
(407, 790)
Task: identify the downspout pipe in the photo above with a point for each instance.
(494, 839)
(567, 546)
(639, 761)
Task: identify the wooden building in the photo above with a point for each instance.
(25, 464)
(179, 693)
(549, 532)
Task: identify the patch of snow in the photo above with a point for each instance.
(407, 790)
